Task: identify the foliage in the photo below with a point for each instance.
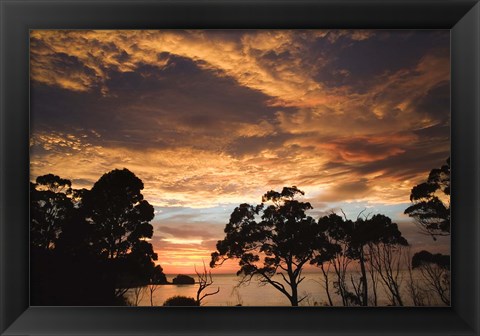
(425, 257)
(93, 240)
(431, 202)
(338, 232)
(349, 241)
(435, 269)
(51, 208)
(157, 276)
(119, 215)
(181, 301)
(273, 240)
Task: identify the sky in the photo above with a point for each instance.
(210, 119)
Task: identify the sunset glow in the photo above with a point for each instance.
(212, 119)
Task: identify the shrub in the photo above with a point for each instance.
(181, 301)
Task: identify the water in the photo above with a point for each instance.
(256, 294)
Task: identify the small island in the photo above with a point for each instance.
(183, 279)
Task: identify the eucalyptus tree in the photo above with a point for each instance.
(371, 241)
(119, 218)
(435, 270)
(273, 242)
(431, 202)
(338, 232)
(50, 208)
(118, 214)
(368, 236)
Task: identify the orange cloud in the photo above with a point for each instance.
(214, 118)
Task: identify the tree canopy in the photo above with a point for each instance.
(425, 257)
(119, 215)
(273, 242)
(98, 236)
(51, 208)
(431, 202)
(355, 240)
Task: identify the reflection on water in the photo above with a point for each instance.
(256, 294)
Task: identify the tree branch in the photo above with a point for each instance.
(285, 279)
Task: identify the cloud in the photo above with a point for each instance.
(253, 145)
(180, 249)
(352, 190)
(212, 119)
(199, 231)
(267, 61)
(368, 149)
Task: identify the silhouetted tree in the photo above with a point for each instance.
(157, 278)
(138, 294)
(374, 280)
(377, 230)
(51, 208)
(118, 214)
(152, 288)
(338, 232)
(119, 218)
(180, 301)
(326, 281)
(204, 281)
(387, 260)
(435, 269)
(136, 268)
(358, 241)
(54, 183)
(431, 202)
(62, 270)
(280, 242)
(89, 246)
(74, 238)
(416, 291)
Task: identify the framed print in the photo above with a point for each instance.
(266, 168)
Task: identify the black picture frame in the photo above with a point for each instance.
(17, 17)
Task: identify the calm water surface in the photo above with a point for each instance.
(256, 294)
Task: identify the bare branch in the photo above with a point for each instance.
(303, 298)
(360, 214)
(204, 281)
(284, 278)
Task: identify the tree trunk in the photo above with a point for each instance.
(294, 297)
(340, 283)
(327, 287)
(374, 287)
(364, 278)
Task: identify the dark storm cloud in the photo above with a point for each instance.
(407, 165)
(357, 64)
(435, 103)
(172, 106)
(436, 132)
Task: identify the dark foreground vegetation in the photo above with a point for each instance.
(89, 247)
(278, 239)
